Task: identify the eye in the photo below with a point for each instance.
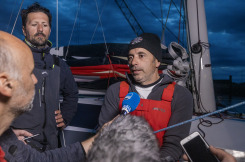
(130, 58)
(45, 25)
(33, 24)
(141, 56)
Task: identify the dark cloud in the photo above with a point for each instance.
(225, 22)
(227, 37)
(225, 16)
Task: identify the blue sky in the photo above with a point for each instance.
(225, 22)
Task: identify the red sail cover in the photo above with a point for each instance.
(103, 71)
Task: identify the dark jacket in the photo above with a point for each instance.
(55, 76)
(15, 150)
(181, 110)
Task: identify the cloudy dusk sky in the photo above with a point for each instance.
(225, 22)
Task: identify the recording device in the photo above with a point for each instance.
(130, 102)
(197, 149)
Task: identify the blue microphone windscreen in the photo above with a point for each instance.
(131, 100)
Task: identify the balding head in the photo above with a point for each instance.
(16, 79)
(13, 52)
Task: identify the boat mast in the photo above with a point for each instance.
(198, 46)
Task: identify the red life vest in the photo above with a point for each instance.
(157, 113)
(2, 154)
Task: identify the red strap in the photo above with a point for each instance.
(168, 92)
(123, 91)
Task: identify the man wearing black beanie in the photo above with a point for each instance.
(162, 103)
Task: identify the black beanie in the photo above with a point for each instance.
(150, 42)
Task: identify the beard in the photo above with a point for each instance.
(37, 40)
(27, 107)
(17, 110)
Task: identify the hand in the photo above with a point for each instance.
(59, 119)
(21, 134)
(222, 155)
(88, 143)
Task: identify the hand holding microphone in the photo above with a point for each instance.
(130, 102)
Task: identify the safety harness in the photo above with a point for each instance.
(157, 113)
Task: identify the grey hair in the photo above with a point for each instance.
(127, 139)
(7, 63)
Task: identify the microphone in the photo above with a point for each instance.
(130, 102)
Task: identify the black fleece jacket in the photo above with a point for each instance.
(68, 86)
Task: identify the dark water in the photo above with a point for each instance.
(225, 101)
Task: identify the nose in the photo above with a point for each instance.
(134, 61)
(34, 79)
(40, 28)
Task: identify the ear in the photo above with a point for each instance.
(6, 85)
(157, 63)
(24, 30)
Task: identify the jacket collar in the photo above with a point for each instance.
(43, 50)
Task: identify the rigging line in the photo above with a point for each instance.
(149, 10)
(77, 28)
(97, 23)
(179, 21)
(201, 117)
(130, 17)
(57, 52)
(176, 7)
(161, 21)
(73, 28)
(57, 27)
(179, 11)
(17, 17)
(165, 26)
(183, 29)
(11, 15)
(161, 4)
(101, 27)
(161, 8)
(198, 30)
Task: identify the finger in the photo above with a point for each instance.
(185, 157)
(59, 120)
(58, 116)
(25, 133)
(57, 112)
(218, 152)
(20, 132)
(108, 123)
(21, 138)
(61, 125)
(24, 142)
